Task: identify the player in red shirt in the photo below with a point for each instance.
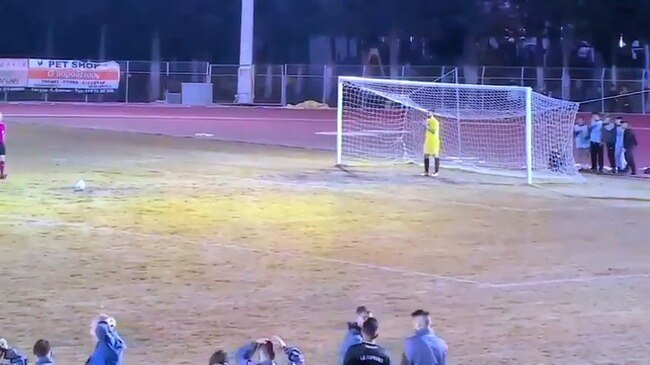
(3, 132)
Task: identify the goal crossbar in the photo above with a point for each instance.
(395, 99)
(426, 83)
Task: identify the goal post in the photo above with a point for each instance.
(502, 130)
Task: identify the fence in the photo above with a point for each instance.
(290, 84)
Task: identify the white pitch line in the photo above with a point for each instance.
(586, 279)
(175, 117)
(476, 283)
(364, 133)
(369, 192)
(253, 249)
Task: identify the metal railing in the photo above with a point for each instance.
(147, 81)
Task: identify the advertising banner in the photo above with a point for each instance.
(73, 76)
(13, 74)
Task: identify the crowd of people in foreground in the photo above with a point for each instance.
(359, 346)
(109, 347)
(612, 135)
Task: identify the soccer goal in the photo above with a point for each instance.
(502, 130)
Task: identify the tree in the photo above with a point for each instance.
(16, 29)
(606, 22)
(540, 17)
(601, 23)
(397, 19)
(282, 24)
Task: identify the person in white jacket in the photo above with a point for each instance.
(619, 150)
(581, 142)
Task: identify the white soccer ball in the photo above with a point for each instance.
(80, 186)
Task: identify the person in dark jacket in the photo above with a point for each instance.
(11, 354)
(367, 352)
(43, 352)
(609, 140)
(596, 140)
(219, 358)
(424, 347)
(353, 336)
(629, 144)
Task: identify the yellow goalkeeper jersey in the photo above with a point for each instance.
(433, 125)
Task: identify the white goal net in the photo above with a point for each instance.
(504, 130)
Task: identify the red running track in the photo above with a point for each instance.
(276, 126)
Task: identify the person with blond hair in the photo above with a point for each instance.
(109, 346)
(11, 354)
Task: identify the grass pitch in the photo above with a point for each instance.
(195, 245)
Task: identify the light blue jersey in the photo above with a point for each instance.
(581, 136)
(425, 348)
(110, 346)
(596, 131)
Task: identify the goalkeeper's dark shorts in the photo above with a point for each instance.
(3, 150)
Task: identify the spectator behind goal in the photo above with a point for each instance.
(596, 143)
(367, 352)
(581, 141)
(11, 354)
(609, 140)
(629, 144)
(43, 352)
(619, 151)
(424, 347)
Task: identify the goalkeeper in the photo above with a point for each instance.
(432, 144)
